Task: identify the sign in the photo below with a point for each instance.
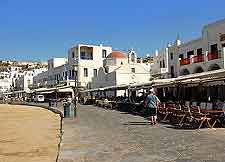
(222, 37)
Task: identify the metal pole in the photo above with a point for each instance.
(75, 93)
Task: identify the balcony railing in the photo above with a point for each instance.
(199, 58)
(163, 70)
(185, 61)
(86, 56)
(212, 56)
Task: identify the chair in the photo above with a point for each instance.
(186, 113)
(218, 117)
(209, 106)
(223, 106)
(187, 103)
(203, 105)
(194, 104)
(178, 114)
(199, 117)
(162, 109)
(166, 110)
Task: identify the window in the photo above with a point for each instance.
(132, 57)
(181, 56)
(133, 70)
(199, 51)
(85, 72)
(70, 74)
(73, 55)
(103, 53)
(95, 72)
(163, 64)
(66, 74)
(73, 74)
(172, 71)
(214, 48)
(189, 53)
(171, 56)
(82, 55)
(28, 82)
(86, 56)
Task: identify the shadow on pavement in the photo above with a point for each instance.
(180, 127)
(137, 123)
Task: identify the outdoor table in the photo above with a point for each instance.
(186, 114)
(213, 114)
(178, 114)
(169, 110)
(201, 116)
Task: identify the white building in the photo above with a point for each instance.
(119, 69)
(23, 82)
(85, 60)
(5, 82)
(55, 62)
(159, 68)
(54, 74)
(205, 53)
(202, 54)
(41, 80)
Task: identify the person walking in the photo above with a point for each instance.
(151, 104)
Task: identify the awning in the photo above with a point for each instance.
(46, 92)
(65, 90)
(220, 72)
(214, 83)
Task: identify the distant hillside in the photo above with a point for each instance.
(5, 65)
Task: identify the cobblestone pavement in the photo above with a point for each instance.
(100, 135)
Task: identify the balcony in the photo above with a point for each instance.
(86, 56)
(163, 70)
(185, 61)
(212, 56)
(199, 58)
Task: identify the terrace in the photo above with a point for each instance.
(86, 53)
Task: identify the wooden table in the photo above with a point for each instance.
(213, 113)
(169, 110)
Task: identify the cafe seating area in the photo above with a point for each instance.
(192, 101)
(192, 115)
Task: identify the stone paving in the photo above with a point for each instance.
(100, 135)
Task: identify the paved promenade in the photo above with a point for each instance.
(99, 135)
(28, 134)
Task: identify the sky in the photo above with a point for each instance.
(42, 29)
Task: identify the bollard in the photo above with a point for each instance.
(67, 110)
(75, 110)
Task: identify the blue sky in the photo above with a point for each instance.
(40, 29)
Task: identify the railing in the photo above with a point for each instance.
(212, 56)
(199, 58)
(185, 61)
(163, 70)
(86, 56)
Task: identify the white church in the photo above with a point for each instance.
(119, 69)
